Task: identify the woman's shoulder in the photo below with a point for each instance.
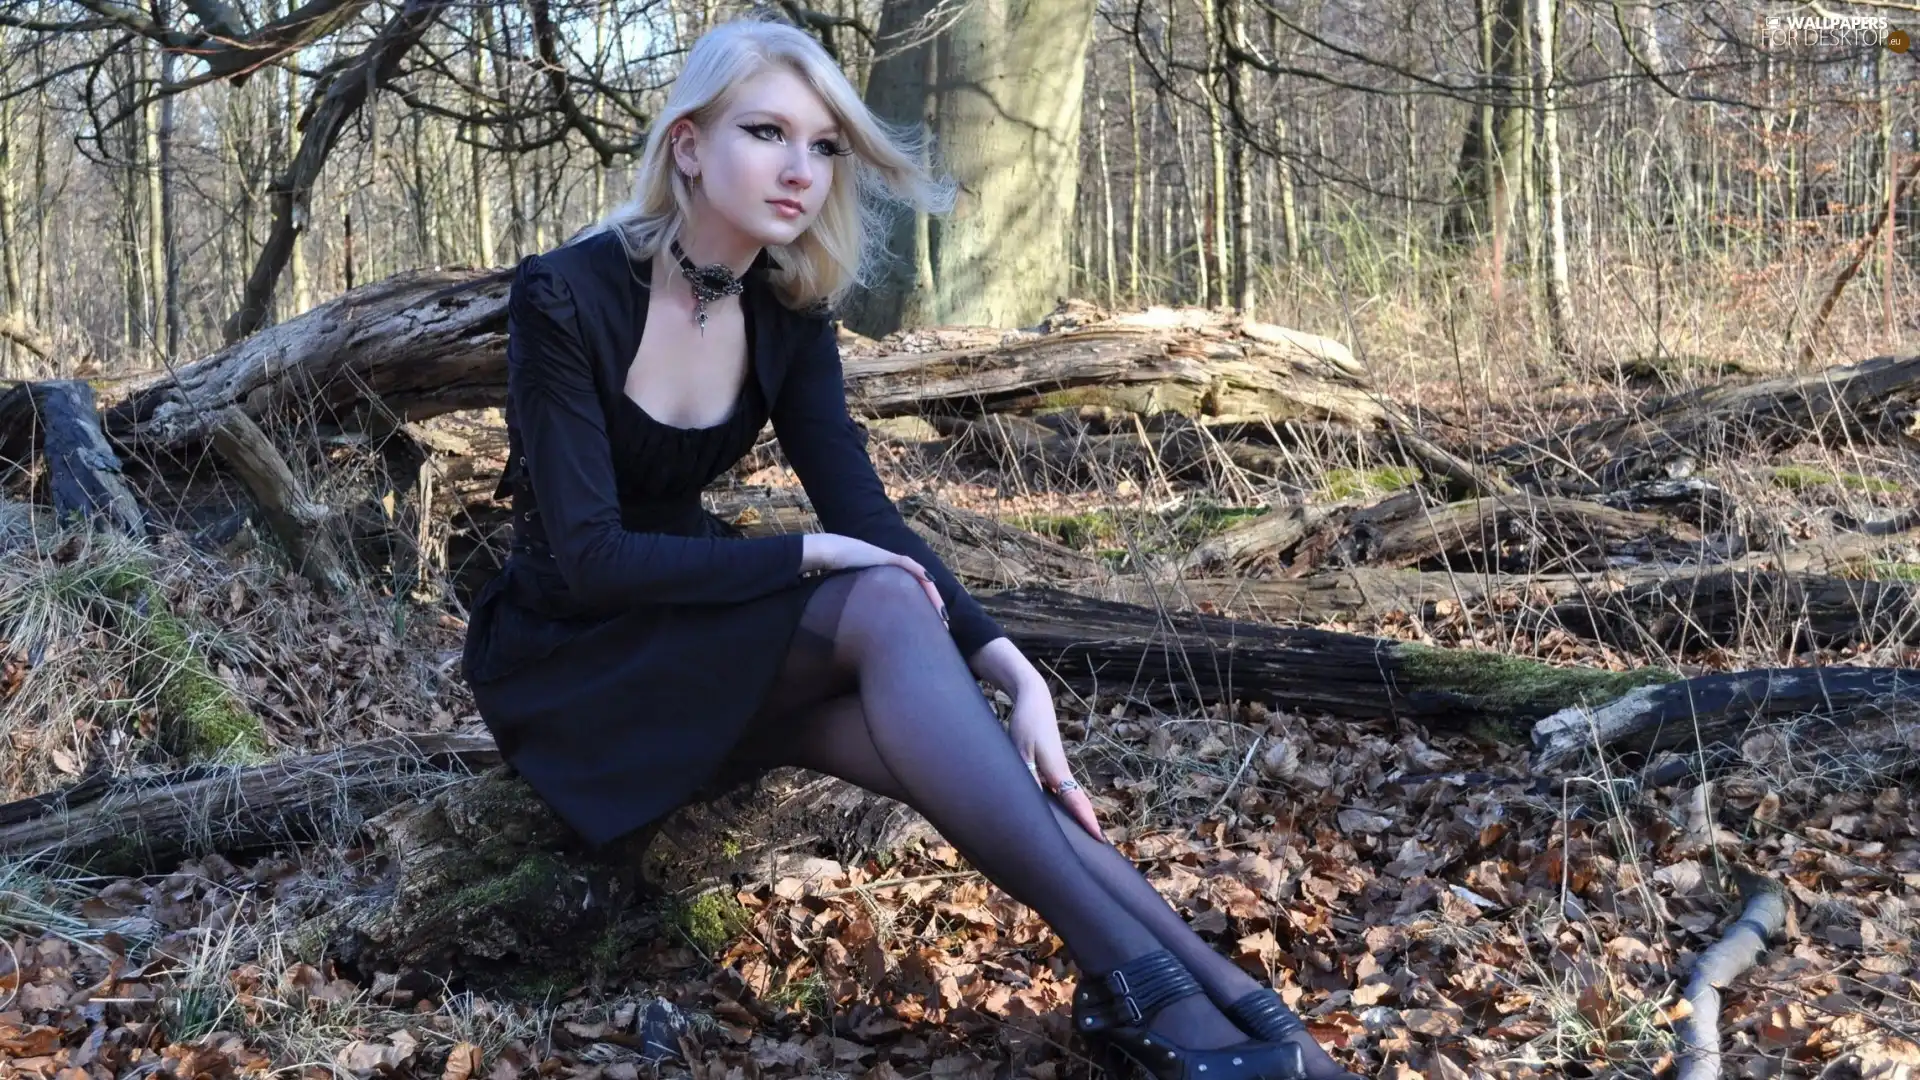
(576, 271)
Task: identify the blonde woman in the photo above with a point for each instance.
(636, 650)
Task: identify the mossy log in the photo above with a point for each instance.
(1675, 609)
(1705, 719)
(1672, 435)
(200, 716)
(1503, 534)
(1184, 659)
(983, 552)
(425, 343)
(135, 823)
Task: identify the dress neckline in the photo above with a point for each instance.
(752, 373)
(725, 421)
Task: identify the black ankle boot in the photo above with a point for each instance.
(1264, 1016)
(1112, 1015)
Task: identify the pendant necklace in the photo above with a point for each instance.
(709, 283)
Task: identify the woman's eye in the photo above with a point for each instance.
(832, 149)
(761, 131)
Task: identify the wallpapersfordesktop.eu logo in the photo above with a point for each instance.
(1780, 32)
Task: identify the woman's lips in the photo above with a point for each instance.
(787, 207)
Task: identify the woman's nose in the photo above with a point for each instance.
(799, 173)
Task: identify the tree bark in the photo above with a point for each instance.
(1005, 95)
(302, 526)
(83, 472)
(1491, 157)
(1553, 208)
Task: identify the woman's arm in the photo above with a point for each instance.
(555, 404)
(829, 454)
(1001, 663)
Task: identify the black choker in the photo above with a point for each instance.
(709, 283)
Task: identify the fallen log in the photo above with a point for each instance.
(1670, 436)
(300, 524)
(57, 418)
(1507, 534)
(1681, 613)
(425, 343)
(127, 824)
(1696, 714)
(471, 871)
(1265, 539)
(983, 552)
(1668, 609)
(1180, 659)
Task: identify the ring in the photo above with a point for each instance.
(1069, 784)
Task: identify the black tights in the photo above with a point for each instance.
(873, 692)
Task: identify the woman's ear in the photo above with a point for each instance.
(684, 139)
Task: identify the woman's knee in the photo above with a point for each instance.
(886, 595)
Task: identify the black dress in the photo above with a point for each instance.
(620, 653)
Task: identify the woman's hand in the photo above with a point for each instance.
(832, 551)
(1035, 732)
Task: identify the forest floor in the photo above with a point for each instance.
(1430, 904)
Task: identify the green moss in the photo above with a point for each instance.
(1101, 530)
(199, 715)
(711, 920)
(1207, 520)
(806, 995)
(530, 883)
(1799, 477)
(1073, 530)
(1511, 688)
(1803, 478)
(1145, 399)
(1881, 570)
(1872, 485)
(609, 953)
(1352, 483)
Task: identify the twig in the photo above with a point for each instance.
(1762, 917)
(1235, 782)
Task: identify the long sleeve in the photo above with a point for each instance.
(555, 403)
(828, 452)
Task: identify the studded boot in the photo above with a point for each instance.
(1111, 1013)
(1264, 1016)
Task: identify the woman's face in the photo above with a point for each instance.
(766, 165)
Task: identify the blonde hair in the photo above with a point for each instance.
(886, 173)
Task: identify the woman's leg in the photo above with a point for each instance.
(830, 736)
(937, 745)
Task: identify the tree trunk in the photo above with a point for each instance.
(1491, 157)
(1108, 243)
(1006, 107)
(169, 248)
(11, 301)
(153, 150)
(1134, 196)
(1552, 207)
(1217, 196)
(476, 161)
(299, 276)
(1236, 28)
